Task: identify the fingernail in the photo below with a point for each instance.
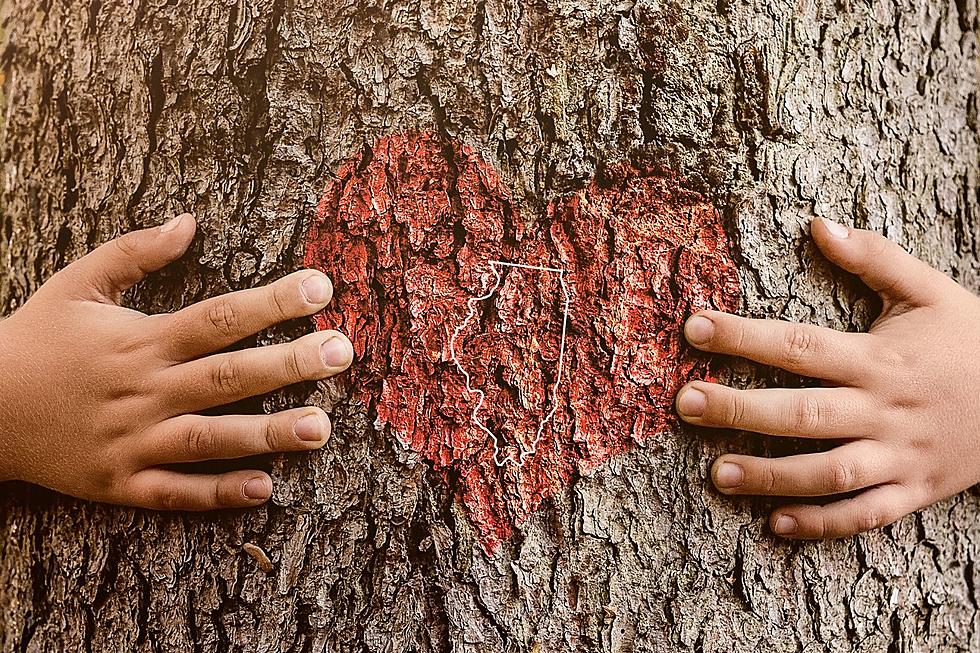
(699, 330)
(692, 403)
(835, 229)
(257, 488)
(784, 525)
(316, 289)
(336, 352)
(308, 428)
(170, 225)
(729, 475)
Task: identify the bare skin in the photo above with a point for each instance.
(900, 402)
(95, 399)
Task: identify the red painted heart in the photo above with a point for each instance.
(472, 360)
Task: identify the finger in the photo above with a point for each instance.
(221, 321)
(115, 267)
(803, 349)
(225, 378)
(883, 265)
(803, 412)
(162, 489)
(193, 438)
(874, 508)
(846, 468)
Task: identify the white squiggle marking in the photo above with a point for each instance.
(525, 451)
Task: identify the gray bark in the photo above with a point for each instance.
(119, 114)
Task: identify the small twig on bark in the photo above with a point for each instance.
(259, 555)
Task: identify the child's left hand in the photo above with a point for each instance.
(901, 400)
(105, 403)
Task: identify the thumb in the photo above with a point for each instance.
(883, 265)
(113, 268)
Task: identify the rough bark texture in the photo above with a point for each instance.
(513, 380)
(119, 114)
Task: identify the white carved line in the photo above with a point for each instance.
(525, 451)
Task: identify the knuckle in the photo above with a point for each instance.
(798, 344)
(226, 377)
(169, 498)
(769, 479)
(868, 520)
(200, 438)
(877, 246)
(807, 414)
(896, 356)
(279, 304)
(219, 497)
(736, 335)
(922, 494)
(126, 244)
(106, 478)
(842, 476)
(735, 412)
(296, 368)
(274, 439)
(933, 483)
(223, 317)
(883, 351)
(908, 399)
(296, 364)
(920, 442)
(821, 527)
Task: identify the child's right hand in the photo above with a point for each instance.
(95, 399)
(900, 403)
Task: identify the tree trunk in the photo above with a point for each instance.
(744, 119)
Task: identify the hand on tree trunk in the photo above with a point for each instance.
(96, 400)
(901, 400)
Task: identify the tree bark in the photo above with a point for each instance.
(120, 114)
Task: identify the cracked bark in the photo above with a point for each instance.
(119, 114)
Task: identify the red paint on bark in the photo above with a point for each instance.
(406, 231)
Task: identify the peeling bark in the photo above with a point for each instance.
(763, 112)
